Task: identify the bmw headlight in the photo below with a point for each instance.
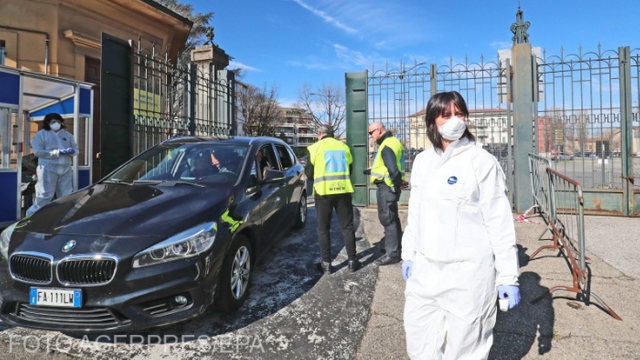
(180, 246)
(4, 240)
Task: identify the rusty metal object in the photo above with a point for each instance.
(565, 219)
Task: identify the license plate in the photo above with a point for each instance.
(56, 297)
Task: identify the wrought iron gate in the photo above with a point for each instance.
(397, 97)
(581, 109)
(146, 99)
(587, 122)
(172, 100)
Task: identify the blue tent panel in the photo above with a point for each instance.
(84, 178)
(8, 191)
(66, 107)
(85, 101)
(63, 108)
(9, 88)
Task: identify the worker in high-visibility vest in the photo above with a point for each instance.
(329, 167)
(387, 173)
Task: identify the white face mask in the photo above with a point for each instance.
(55, 126)
(453, 129)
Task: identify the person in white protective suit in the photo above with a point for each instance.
(459, 251)
(55, 147)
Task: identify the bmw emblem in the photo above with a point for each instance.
(69, 245)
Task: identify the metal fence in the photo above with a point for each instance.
(397, 97)
(585, 115)
(581, 114)
(170, 100)
(539, 185)
(561, 203)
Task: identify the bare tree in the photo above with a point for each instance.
(239, 72)
(260, 109)
(326, 105)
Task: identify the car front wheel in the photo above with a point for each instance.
(235, 276)
(301, 219)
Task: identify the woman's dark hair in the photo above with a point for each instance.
(52, 116)
(437, 106)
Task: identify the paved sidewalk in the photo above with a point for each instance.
(556, 327)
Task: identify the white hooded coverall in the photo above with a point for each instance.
(461, 238)
(55, 175)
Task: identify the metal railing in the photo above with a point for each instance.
(561, 204)
(539, 183)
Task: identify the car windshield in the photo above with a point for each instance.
(197, 163)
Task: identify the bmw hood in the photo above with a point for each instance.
(128, 210)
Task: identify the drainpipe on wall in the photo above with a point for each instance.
(46, 43)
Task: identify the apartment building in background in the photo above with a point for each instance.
(297, 128)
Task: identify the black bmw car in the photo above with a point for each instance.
(171, 232)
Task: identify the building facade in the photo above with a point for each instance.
(297, 128)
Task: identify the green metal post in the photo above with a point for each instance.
(523, 123)
(626, 119)
(357, 137)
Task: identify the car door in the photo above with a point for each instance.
(293, 175)
(273, 200)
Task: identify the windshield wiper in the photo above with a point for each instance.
(167, 182)
(116, 181)
(136, 182)
(179, 182)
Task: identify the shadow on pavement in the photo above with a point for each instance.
(515, 331)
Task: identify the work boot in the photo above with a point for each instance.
(325, 267)
(354, 265)
(387, 260)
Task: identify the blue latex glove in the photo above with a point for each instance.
(67, 151)
(407, 266)
(512, 293)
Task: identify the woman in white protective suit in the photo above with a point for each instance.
(55, 147)
(458, 249)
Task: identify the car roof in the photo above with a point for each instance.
(235, 140)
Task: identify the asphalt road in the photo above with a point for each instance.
(292, 312)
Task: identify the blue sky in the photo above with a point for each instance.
(288, 43)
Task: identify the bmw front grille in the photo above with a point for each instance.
(75, 270)
(87, 270)
(31, 267)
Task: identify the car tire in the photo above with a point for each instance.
(301, 218)
(235, 275)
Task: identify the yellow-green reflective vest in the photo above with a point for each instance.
(331, 159)
(378, 170)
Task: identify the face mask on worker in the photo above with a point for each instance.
(55, 126)
(453, 129)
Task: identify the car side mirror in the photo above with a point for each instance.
(253, 181)
(271, 174)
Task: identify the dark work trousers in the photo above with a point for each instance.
(389, 219)
(344, 209)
